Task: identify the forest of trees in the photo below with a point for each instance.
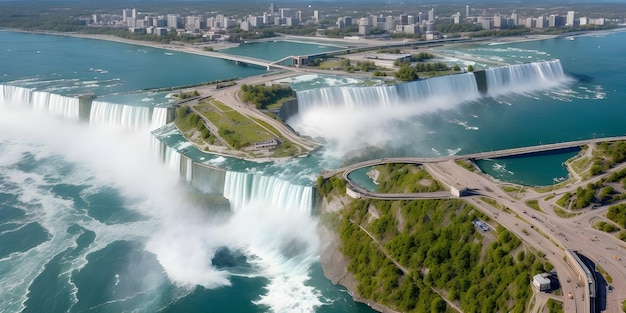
(617, 214)
(439, 250)
(262, 96)
(187, 120)
(606, 155)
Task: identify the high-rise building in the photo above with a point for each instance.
(467, 11)
(130, 22)
(497, 21)
(172, 21)
(541, 22)
(316, 15)
(285, 12)
(134, 12)
(515, 18)
(390, 23)
(431, 14)
(570, 18)
(456, 18)
(404, 19)
(255, 21)
(126, 13)
(273, 8)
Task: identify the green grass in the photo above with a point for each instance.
(466, 165)
(241, 130)
(330, 64)
(278, 104)
(534, 204)
(581, 164)
(436, 73)
(605, 227)
(564, 214)
(554, 306)
(512, 189)
(494, 203)
(606, 275)
(406, 178)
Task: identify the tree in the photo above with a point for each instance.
(470, 68)
(406, 73)
(456, 68)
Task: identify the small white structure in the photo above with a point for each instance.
(542, 282)
(458, 191)
(353, 194)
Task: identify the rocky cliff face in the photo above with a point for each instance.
(334, 263)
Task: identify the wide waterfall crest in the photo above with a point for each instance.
(63, 106)
(450, 89)
(462, 86)
(243, 188)
(127, 116)
(525, 77)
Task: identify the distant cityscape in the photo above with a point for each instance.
(212, 26)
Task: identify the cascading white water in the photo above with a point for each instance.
(11, 95)
(242, 188)
(458, 88)
(171, 157)
(66, 107)
(188, 170)
(159, 117)
(462, 86)
(126, 116)
(520, 78)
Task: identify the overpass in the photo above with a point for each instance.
(586, 277)
(475, 156)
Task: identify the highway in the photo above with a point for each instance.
(542, 231)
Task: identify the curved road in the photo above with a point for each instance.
(543, 231)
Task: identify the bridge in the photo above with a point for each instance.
(475, 156)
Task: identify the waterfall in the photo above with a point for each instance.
(159, 117)
(450, 89)
(526, 77)
(63, 106)
(242, 188)
(171, 158)
(462, 86)
(120, 115)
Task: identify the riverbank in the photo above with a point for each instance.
(334, 263)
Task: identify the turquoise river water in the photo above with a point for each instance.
(98, 213)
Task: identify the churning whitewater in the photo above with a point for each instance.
(70, 163)
(349, 118)
(100, 195)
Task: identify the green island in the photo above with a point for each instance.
(214, 126)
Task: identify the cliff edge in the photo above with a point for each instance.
(334, 263)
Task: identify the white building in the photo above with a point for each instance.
(570, 18)
(541, 282)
